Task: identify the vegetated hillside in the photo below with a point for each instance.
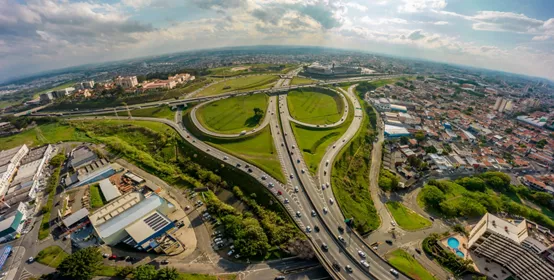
(350, 176)
(487, 192)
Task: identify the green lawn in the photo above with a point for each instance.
(302, 81)
(246, 83)
(236, 70)
(315, 106)
(232, 115)
(405, 263)
(314, 141)
(257, 149)
(96, 200)
(43, 134)
(163, 112)
(7, 103)
(51, 256)
(406, 218)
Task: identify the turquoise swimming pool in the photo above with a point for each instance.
(453, 243)
(459, 254)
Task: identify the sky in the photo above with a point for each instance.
(508, 35)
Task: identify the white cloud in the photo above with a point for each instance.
(382, 21)
(356, 6)
(441, 23)
(415, 6)
(541, 38)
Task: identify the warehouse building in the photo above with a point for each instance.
(392, 131)
(109, 191)
(136, 219)
(87, 174)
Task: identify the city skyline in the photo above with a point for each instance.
(501, 35)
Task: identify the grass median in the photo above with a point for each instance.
(234, 114)
(406, 218)
(302, 81)
(51, 256)
(315, 106)
(408, 265)
(245, 83)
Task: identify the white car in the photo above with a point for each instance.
(341, 239)
(322, 186)
(331, 200)
(225, 158)
(393, 223)
(303, 171)
(325, 210)
(308, 229)
(298, 214)
(364, 263)
(394, 272)
(362, 254)
(237, 256)
(230, 253)
(314, 213)
(286, 200)
(296, 189)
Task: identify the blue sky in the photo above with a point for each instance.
(509, 35)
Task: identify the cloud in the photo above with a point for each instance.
(441, 23)
(382, 21)
(416, 35)
(415, 6)
(356, 6)
(541, 38)
(219, 4)
(505, 21)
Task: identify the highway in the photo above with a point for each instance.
(309, 196)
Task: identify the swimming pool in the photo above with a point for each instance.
(459, 253)
(453, 243)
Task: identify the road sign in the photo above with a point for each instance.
(4, 255)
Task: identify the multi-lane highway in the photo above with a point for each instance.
(302, 194)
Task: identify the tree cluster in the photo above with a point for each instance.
(149, 272)
(388, 181)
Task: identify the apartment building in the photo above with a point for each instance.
(126, 82)
(9, 162)
(515, 245)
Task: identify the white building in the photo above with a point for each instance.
(515, 245)
(9, 162)
(441, 162)
(12, 223)
(126, 82)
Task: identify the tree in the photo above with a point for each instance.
(541, 143)
(433, 196)
(145, 272)
(167, 273)
(57, 160)
(404, 140)
(508, 130)
(472, 183)
(420, 136)
(81, 265)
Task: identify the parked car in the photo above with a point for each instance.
(112, 257)
(165, 262)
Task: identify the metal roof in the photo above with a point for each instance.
(109, 191)
(75, 217)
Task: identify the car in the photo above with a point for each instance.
(237, 256)
(341, 229)
(225, 158)
(341, 239)
(326, 163)
(394, 272)
(418, 251)
(165, 262)
(249, 170)
(327, 184)
(388, 241)
(238, 165)
(322, 186)
(336, 266)
(295, 188)
(314, 213)
(324, 247)
(247, 166)
(208, 149)
(393, 223)
(324, 172)
(282, 144)
(291, 176)
(292, 147)
(331, 200)
(316, 228)
(364, 263)
(112, 257)
(264, 177)
(105, 255)
(325, 210)
(231, 252)
(286, 201)
(298, 214)
(361, 253)
(280, 277)
(279, 192)
(270, 185)
(431, 218)
(297, 160)
(303, 171)
(348, 268)
(218, 239)
(308, 229)
(334, 146)
(30, 260)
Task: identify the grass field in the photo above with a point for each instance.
(51, 256)
(302, 81)
(258, 150)
(406, 218)
(240, 84)
(315, 107)
(96, 200)
(232, 115)
(163, 112)
(49, 133)
(314, 141)
(405, 263)
(236, 70)
(7, 103)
